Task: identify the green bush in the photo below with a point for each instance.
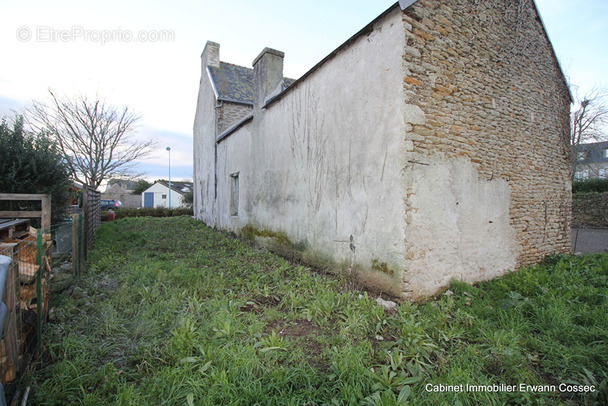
(32, 164)
(147, 212)
(590, 186)
(140, 186)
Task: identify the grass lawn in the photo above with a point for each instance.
(170, 312)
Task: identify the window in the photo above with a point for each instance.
(234, 194)
(164, 196)
(581, 175)
(605, 152)
(582, 155)
(602, 173)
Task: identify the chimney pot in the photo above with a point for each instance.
(267, 74)
(211, 55)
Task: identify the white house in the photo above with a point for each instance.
(432, 145)
(591, 161)
(158, 194)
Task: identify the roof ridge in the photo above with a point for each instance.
(234, 64)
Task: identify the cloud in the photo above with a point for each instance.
(157, 166)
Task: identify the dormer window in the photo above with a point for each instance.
(582, 155)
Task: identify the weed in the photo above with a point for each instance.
(172, 312)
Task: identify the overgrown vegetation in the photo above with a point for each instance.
(171, 312)
(32, 163)
(590, 186)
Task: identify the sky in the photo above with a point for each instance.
(146, 54)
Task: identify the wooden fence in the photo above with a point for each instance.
(44, 213)
(91, 207)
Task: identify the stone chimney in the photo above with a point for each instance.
(210, 55)
(267, 75)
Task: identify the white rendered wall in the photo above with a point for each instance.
(324, 164)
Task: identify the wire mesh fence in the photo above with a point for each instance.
(39, 263)
(26, 299)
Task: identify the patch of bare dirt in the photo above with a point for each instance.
(304, 333)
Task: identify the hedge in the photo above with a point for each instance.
(590, 186)
(147, 212)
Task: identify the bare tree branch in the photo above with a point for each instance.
(589, 122)
(95, 138)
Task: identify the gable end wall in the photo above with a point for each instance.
(432, 146)
(488, 124)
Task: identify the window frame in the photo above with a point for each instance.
(234, 194)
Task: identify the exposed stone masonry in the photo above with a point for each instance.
(590, 210)
(231, 113)
(468, 80)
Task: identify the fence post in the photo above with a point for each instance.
(5, 263)
(85, 212)
(75, 243)
(10, 251)
(39, 299)
(82, 246)
(45, 219)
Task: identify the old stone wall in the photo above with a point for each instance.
(590, 210)
(487, 120)
(127, 199)
(231, 113)
(431, 146)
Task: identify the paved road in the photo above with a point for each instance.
(590, 240)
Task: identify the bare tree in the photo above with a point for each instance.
(589, 123)
(95, 137)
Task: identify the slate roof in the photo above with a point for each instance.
(594, 152)
(179, 187)
(233, 83)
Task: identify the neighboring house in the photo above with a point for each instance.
(158, 195)
(118, 189)
(591, 161)
(125, 184)
(432, 145)
(75, 190)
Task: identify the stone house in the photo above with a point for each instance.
(122, 190)
(431, 145)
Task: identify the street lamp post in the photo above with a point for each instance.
(169, 149)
